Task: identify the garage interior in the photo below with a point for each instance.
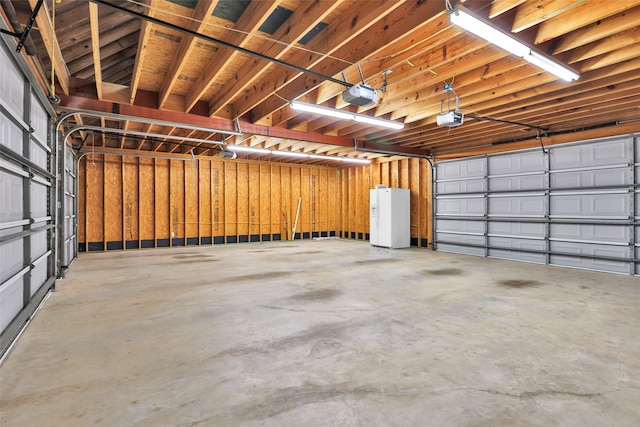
(185, 237)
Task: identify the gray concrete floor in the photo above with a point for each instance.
(326, 333)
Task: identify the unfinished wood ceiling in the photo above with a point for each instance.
(114, 61)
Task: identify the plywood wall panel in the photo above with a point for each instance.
(414, 186)
(218, 198)
(113, 199)
(254, 201)
(204, 199)
(242, 199)
(131, 203)
(82, 205)
(384, 174)
(285, 212)
(191, 201)
(161, 185)
(146, 197)
(334, 199)
(264, 199)
(304, 222)
(177, 197)
(230, 180)
(296, 195)
(275, 216)
(215, 201)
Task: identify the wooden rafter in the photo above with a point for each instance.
(249, 22)
(95, 47)
(201, 15)
(43, 21)
(299, 24)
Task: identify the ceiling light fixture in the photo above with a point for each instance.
(243, 148)
(346, 115)
(465, 20)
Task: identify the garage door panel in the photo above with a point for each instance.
(38, 155)
(10, 197)
(11, 254)
(518, 183)
(11, 301)
(10, 134)
(580, 208)
(460, 206)
(27, 206)
(462, 186)
(467, 239)
(522, 229)
(39, 207)
(590, 264)
(592, 178)
(465, 250)
(588, 249)
(444, 225)
(517, 256)
(595, 233)
(38, 244)
(38, 277)
(503, 164)
(516, 243)
(590, 205)
(527, 205)
(11, 84)
(39, 119)
(610, 152)
(465, 168)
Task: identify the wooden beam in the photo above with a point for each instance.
(342, 32)
(299, 23)
(141, 55)
(201, 15)
(620, 129)
(248, 23)
(383, 24)
(585, 14)
(533, 13)
(80, 103)
(43, 21)
(498, 7)
(606, 45)
(95, 47)
(599, 30)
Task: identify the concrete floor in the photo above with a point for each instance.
(326, 333)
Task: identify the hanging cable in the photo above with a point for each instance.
(539, 138)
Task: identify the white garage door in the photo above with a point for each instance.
(578, 205)
(27, 196)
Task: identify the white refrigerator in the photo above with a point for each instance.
(390, 217)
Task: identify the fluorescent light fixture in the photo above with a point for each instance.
(290, 153)
(462, 18)
(346, 115)
(486, 31)
(379, 122)
(325, 111)
(248, 149)
(354, 160)
(244, 148)
(551, 66)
